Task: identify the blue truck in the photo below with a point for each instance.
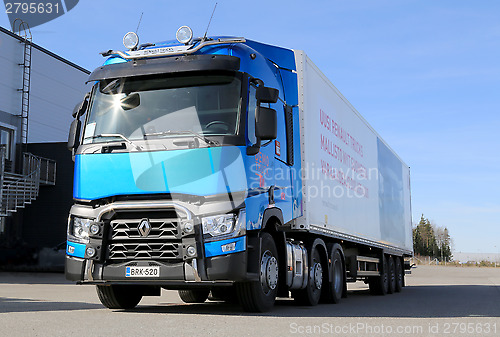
(233, 170)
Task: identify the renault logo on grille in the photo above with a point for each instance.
(144, 227)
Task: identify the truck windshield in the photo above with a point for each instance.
(155, 107)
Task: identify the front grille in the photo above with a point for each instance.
(144, 251)
(126, 229)
(163, 243)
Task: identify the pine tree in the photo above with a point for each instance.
(431, 240)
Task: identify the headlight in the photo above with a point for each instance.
(79, 229)
(223, 226)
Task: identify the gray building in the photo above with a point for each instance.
(38, 91)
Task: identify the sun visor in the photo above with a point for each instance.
(177, 64)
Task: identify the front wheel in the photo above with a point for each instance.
(259, 296)
(119, 296)
(194, 296)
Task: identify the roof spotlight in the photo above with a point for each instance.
(184, 34)
(130, 40)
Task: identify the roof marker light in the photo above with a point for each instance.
(184, 34)
(130, 40)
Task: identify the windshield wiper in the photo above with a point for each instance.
(185, 132)
(116, 135)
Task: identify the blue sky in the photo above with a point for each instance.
(425, 74)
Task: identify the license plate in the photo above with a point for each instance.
(142, 271)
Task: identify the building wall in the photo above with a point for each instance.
(56, 88)
(57, 85)
(44, 221)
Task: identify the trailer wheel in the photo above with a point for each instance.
(119, 296)
(392, 275)
(317, 278)
(259, 296)
(379, 285)
(399, 275)
(194, 296)
(337, 284)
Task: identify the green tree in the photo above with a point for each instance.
(431, 240)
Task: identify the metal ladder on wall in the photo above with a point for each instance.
(24, 32)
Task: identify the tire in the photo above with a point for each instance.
(379, 285)
(399, 275)
(226, 294)
(194, 296)
(259, 296)
(336, 286)
(119, 296)
(311, 294)
(392, 275)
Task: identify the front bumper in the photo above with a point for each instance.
(215, 262)
(215, 270)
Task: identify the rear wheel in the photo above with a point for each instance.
(392, 275)
(317, 278)
(259, 296)
(337, 283)
(194, 296)
(399, 274)
(379, 285)
(119, 296)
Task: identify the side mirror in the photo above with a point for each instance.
(81, 107)
(266, 123)
(267, 95)
(74, 134)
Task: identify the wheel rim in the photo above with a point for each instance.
(385, 278)
(399, 274)
(268, 272)
(317, 275)
(392, 274)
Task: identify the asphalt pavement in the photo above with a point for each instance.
(438, 301)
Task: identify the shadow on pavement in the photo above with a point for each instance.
(414, 301)
(10, 305)
(33, 278)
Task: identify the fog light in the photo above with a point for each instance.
(90, 251)
(94, 229)
(191, 251)
(130, 40)
(184, 34)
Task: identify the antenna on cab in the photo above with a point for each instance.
(139, 24)
(205, 36)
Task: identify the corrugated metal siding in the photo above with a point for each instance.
(11, 75)
(57, 86)
(55, 90)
